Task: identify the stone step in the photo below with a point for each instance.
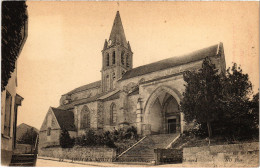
(24, 164)
(22, 160)
(144, 151)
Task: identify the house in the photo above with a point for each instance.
(10, 99)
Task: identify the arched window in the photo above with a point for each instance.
(127, 61)
(107, 59)
(113, 113)
(85, 118)
(122, 58)
(114, 57)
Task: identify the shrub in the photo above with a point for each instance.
(91, 138)
(65, 140)
(124, 134)
(29, 137)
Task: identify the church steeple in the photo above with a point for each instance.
(117, 56)
(117, 35)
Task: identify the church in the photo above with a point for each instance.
(146, 97)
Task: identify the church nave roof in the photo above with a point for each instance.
(172, 62)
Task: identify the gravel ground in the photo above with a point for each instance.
(47, 162)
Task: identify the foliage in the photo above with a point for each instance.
(14, 18)
(65, 140)
(29, 137)
(92, 138)
(107, 138)
(236, 120)
(125, 134)
(201, 97)
(221, 100)
(254, 109)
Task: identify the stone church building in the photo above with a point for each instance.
(147, 97)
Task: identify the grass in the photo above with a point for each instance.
(195, 141)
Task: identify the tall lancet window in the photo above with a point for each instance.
(113, 113)
(107, 59)
(122, 57)
(127, 61)
(107, 83)
(85, 118)
(114, 57)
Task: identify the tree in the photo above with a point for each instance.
(201, 97)
(65, 140)
(14, 18)
(254, 107)
(222, 102)
(29, 137)
(237, 119)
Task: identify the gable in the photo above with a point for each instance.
(52, 123)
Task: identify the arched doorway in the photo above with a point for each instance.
(162, 112)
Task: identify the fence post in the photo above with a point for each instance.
(157, 156)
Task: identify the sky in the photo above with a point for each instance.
(65, 39)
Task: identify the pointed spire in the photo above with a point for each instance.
(117, 34)
(129, 47)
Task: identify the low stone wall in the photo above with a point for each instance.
(163, 156)
(80, 153)
(246, 154)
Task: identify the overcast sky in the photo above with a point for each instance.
(65, 39)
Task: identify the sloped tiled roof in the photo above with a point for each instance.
(171, 62)
(85, 87)
(114, 96)
(82, 101)
(65, 118)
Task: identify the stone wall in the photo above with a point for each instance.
(246, 154)
(92, 106)
(79, 153)
(107, 114)
(163, 156)
(51, 140)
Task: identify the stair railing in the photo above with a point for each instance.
(131, 147)
(35, 150)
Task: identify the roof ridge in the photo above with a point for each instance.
(177, 56)
(73, 90)
(171, 62)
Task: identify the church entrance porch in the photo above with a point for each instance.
(162, 115)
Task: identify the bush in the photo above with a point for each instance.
(125, 134)
(65, 140)
(91, 138)
(29, 137)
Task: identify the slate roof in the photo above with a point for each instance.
(65, 118)
(112, 97)
(82, 101)
(86, 87)
(171, 62)
(117, 33)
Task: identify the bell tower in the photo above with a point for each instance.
(117, 56)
